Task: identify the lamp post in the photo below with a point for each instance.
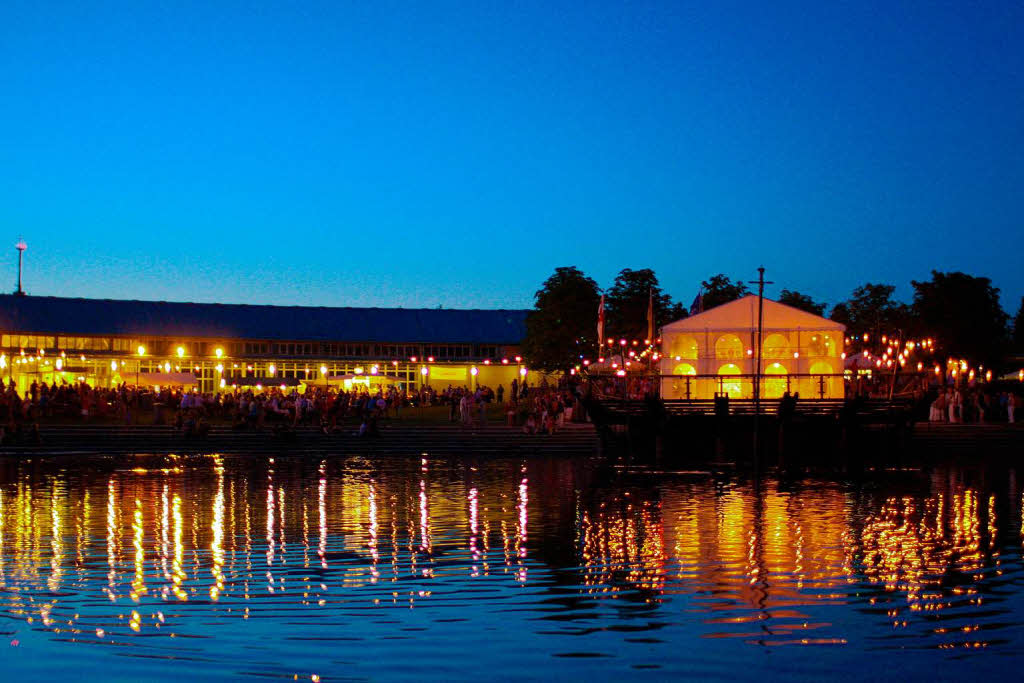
(21, 247)
(138, 365)
(425, 372)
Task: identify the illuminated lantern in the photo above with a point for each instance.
(181, 351)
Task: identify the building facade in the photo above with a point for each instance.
(220, 346)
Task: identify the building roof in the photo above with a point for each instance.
(110, 317)
(741, 314)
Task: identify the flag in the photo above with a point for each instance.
(698, 303)
(650, 315)
(600, 323)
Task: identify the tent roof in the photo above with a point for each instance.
(741, 314)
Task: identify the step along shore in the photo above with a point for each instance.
(394, 439)
(975, 438)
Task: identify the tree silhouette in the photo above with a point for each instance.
(964, 314)
(720, 290)
(872, 309)
(627, 302)
(1018, 327)
(563, 322)
(801, 301)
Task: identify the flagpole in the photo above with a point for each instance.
(757, 369)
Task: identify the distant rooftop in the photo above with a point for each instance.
(112, 317)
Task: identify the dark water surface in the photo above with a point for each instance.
(211, 567)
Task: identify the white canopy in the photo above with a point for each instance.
(800, 352)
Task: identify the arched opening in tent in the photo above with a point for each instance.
(821, 386)
(732, 387)
(682, 388)
(775, 381)
(729, 347)
(775, 346)
(683, 347)
(821, 368)
(822, 344)
(684, 369)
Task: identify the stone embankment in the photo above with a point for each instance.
(394, 439)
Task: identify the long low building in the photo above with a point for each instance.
(217, 346)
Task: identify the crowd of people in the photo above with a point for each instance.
(954, 405)
(537, 409)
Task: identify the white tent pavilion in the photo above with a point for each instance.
(715, 352)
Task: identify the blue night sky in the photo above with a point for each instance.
(455, 154)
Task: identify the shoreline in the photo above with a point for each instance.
(486, 440)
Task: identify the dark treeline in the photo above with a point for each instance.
(961, 312)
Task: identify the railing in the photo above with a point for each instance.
(874, 410)
(691, 387)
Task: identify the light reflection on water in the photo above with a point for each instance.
(454, 568)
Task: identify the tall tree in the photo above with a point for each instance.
(872, 309)
(801, 301)
(563, 322)
(1018, 328)
(964, 314)
(721, 290)
(627, 302)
